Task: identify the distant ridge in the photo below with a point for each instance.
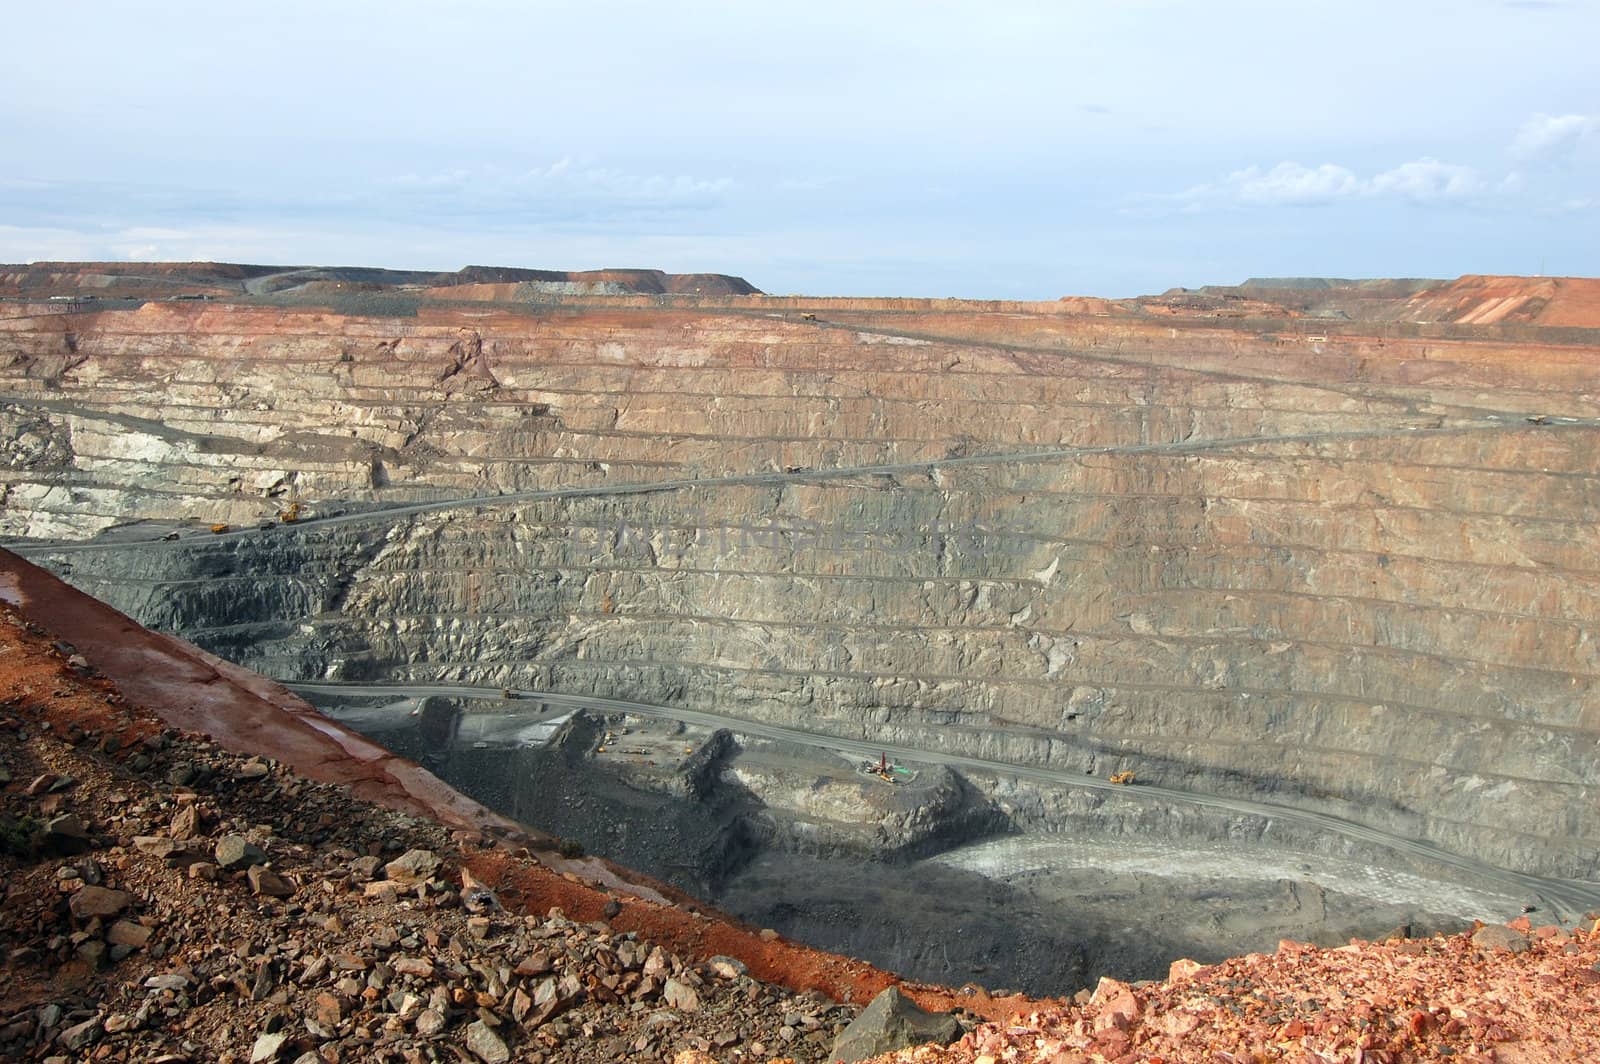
(220, 279)
(1413, 283)
(1559, 302)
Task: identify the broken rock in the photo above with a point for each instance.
(268, 1047)
(1497, 936)
(893, 1021)
(81, 1035)
(727, 967)
(128, 933)
(412, 867)
(486, 1045)
(266, 882)
(680, 995)
(90, 902)
(185, 823)
(66, 834)
(235, 851)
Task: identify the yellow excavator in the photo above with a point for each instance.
(292, 514)
(1124, 777)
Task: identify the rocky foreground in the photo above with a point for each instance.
(167, 900)
(1500, 994)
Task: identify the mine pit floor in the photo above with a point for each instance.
(802, 840)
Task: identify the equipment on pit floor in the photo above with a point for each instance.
(885, 770)
(170, 536)
(1122, 777)
(290, 515)
(218, 529)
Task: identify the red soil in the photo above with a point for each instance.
(1550, 301)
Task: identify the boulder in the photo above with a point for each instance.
(185, 823)
(81, 1035)
(128, 933)
(893, 1021)
(266, 882)
(680, 995)
(66, 835)
(235, 851)
(90, 902)
(727, 967)
(486, 1045)
(1497, 936)
(412, 867)
(268, 1047)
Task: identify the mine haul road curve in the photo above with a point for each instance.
(1490, 423)
(1569, 899)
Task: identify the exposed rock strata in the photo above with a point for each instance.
(1341, 572)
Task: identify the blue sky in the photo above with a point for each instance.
(1024, 149)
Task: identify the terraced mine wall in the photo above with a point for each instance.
(1349, 577)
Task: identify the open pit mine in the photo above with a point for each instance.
(1005, 643)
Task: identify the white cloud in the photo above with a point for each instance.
(1291, 184)
(1543, 147)
(1429, 181)
(1552, 139)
